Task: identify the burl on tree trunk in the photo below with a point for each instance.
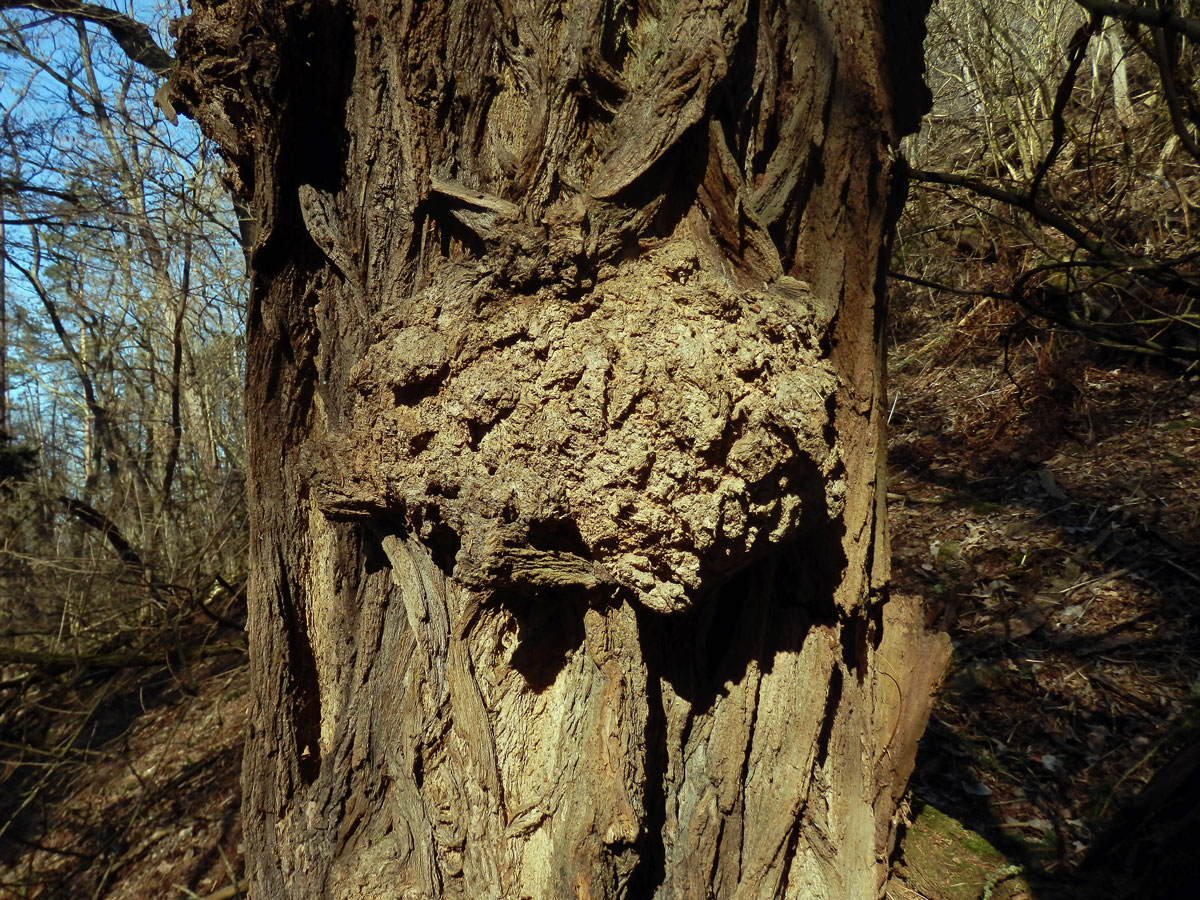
(565, 407)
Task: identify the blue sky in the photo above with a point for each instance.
(77, 225)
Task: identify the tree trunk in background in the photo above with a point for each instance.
(4, 435)
(565, 414)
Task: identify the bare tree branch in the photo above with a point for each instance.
(1039, 211)
(131, 36)
(1076, 52)
(127, 660)
(15, 186)
(91, 516)
(947, 288)
(1163, 60)
(1145, 15)
(1161, 271)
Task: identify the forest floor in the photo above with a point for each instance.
(152, 811)
(1045, 503)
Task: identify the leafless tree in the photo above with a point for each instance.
(565, 407)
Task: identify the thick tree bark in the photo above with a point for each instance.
(565, 409)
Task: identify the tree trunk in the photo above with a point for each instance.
(565, 415)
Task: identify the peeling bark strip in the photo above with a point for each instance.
(565, 409)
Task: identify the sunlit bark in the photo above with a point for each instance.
(565, 408)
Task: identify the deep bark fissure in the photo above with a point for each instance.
(303, 691)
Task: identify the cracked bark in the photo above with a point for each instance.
(565, 406)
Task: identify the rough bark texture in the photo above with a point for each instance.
(565, 411)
